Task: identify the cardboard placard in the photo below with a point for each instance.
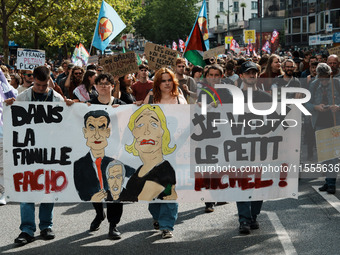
(159, 56)
(93, 59)
(334, 50)
(328, 143)
(121, 64)
(214, 52)
(28, 59)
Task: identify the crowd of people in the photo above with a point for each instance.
(318, 73)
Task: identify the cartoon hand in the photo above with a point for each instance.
(99, 196)
(173, 195)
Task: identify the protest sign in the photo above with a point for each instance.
(43, 163)
(93, 59)
(121, 64)
(28, 59)
(328, 143)
(214, 52)
(249, 36)
(334, 50)
(159, 56)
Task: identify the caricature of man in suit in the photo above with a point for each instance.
(90, 177)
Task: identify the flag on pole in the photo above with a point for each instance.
(80, 55)
(275, 35)
(234, 45)
(266, 47)
(174, 45)
(181, 45)
(74, 55)
(198, 40)
(139, 61)
(109, 25)
(124, 51)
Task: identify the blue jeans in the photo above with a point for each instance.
(248, 211)
(330, 176)
(28, 217)
(165, 213)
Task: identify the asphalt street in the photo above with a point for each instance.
(308, 225)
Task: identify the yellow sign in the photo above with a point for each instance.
(249, 35)
(228, 39)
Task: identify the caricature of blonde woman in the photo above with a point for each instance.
(155, 178)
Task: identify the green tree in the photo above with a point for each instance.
(165, 21)
(7, 9)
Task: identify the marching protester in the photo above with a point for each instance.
(186, 83)
(73, 80)
(27, 78)
(333, 62)
(248, 211)
(66, 67)
(86, 91)
(273, 69)
(165, 91)
(39, 92)
(142, 87)
(126, 93)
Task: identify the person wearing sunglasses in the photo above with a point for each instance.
(27, 78)
(73, 80)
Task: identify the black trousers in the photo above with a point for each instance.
(114, 211)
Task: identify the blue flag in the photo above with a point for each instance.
(109, 25)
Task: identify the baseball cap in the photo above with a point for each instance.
(246, 66)
(70, 66)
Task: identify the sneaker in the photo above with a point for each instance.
(254, 225)
(24, 238)
(209, 207)
(323, 188)
(2, 195)
(167, 234)
(244, 228)
(156, 225)
(47, 234)
(331, 190)
(114, 232)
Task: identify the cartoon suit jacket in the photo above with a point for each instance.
(85, 177)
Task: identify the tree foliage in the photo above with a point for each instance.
(56, 24)
(165, 21)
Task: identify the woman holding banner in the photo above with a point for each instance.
(86, 90)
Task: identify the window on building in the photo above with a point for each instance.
(335, 18)
(221, 7)
(254, 5)
(304, 24)
(236, 7)
(254, 15)
(322, 21)
(311, 24)
(296, 25)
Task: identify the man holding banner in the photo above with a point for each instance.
(40, 91)
(324, 106)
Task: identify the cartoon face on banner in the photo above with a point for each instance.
(156, 177)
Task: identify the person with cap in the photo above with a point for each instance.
(249, 210)
(324, 106)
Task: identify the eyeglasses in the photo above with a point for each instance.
(28, 74)
(180, 66)
(77, 73)
(290, 67)
(104, 85)
(99, 70)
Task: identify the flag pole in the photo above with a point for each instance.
(95, 27)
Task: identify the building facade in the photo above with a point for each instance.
(306, 20)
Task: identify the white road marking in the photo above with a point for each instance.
(333, 200)
(282, 234)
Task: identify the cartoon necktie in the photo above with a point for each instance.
(100, 177)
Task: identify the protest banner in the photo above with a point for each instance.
(120, 65)
(49, 150)
(93, 59)
(328, 143)
(249, 36)
(334, 50)
(159, 56)
(28, 59)
(214, 52)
